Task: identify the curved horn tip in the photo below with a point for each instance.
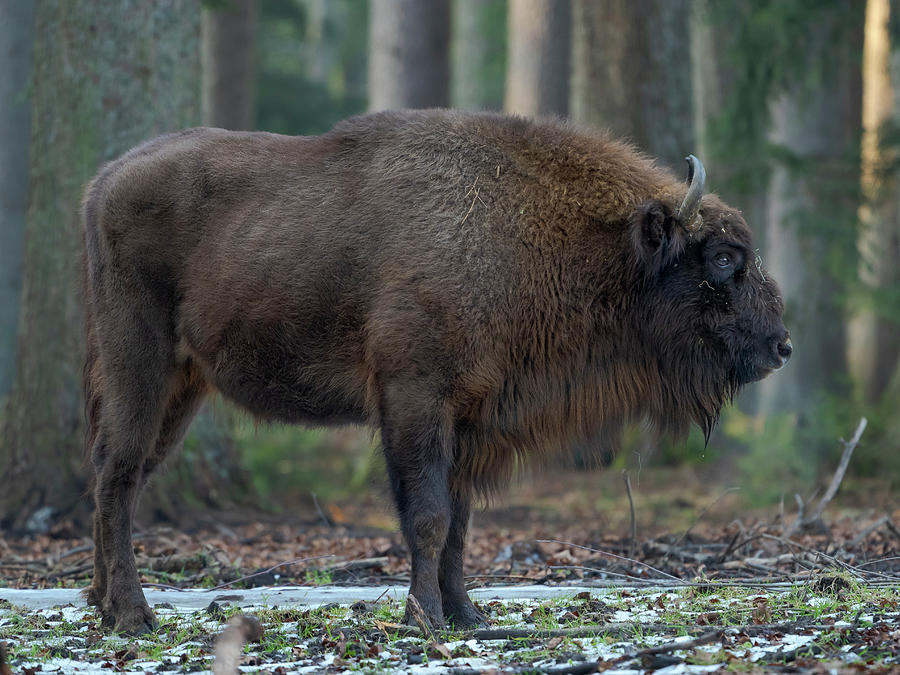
(690, 208)
(695, 167)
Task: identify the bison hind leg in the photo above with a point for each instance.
(139, 376)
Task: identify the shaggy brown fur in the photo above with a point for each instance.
(479, 287)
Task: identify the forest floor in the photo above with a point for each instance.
(696, 583)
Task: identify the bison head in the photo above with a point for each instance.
(708, 309)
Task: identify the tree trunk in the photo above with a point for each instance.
(107, 74)
(479, 58)
(875, 339)
(713, 85)
(631, 73)
(810, 221)
(539, 45)
(408, 54)
(16, 28)
(229, 82)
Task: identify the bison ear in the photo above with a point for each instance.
(658, 237)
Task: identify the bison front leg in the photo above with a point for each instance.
(458, 608)
(418, 452)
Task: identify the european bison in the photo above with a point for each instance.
(480, 288)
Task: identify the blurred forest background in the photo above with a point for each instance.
(794, 107)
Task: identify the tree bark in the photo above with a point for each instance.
(409, 54)
(631, 73)
(229, 77)
(107, 74)
(539, 46)
(16, 35)
(875, 339)
(478, 54)
(819, 130)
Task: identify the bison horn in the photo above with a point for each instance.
(689, 210)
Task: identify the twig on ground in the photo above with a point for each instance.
(815, 518)
(731, 547)
(671, 647)
(893, 528)
(633, 541)
(869, 530)
(876, 561)
(415, 611)
(74, 551)
(611, 555)
(791, 655)
(840, 563)
(697, 520)
(849, 446)
(271, 569)
(325, 519)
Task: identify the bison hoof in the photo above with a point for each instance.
(134, 622)
(466, 616)
(426, 617)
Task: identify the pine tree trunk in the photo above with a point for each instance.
(810, 212)
(478, 54)
(875, 339)
(539, 45)
(16, 36)
(229, 77)
(409, 54)
(107, 74)
(631, 73)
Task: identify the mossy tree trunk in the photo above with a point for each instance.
(875, 330)
(409, 56)
(811, 228)
(229, 74)
(16, 28)
(107, 74)
(538, 57)
(478, 54)
(631, 73)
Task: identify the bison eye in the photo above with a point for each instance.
(724, 260)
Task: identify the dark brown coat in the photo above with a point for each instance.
(479, 287)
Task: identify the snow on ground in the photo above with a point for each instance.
(336, 630)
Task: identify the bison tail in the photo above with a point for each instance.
(92, 377)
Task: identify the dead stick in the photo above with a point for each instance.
(869, 530)
(616, 629)
(696, 520)
(611, 555)
(671, 647)
(271, 569)
(633, 541)
(841, 470)
(415, 611)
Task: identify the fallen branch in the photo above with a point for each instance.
(633, 541)
(675, 645)
(611, 555)
(271, 569)
(869, 530)
(618, 630)
(815, 519)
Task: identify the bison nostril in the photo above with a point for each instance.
(785, 349)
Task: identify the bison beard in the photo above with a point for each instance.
(479, 287)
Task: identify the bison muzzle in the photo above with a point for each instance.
(480, 288)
